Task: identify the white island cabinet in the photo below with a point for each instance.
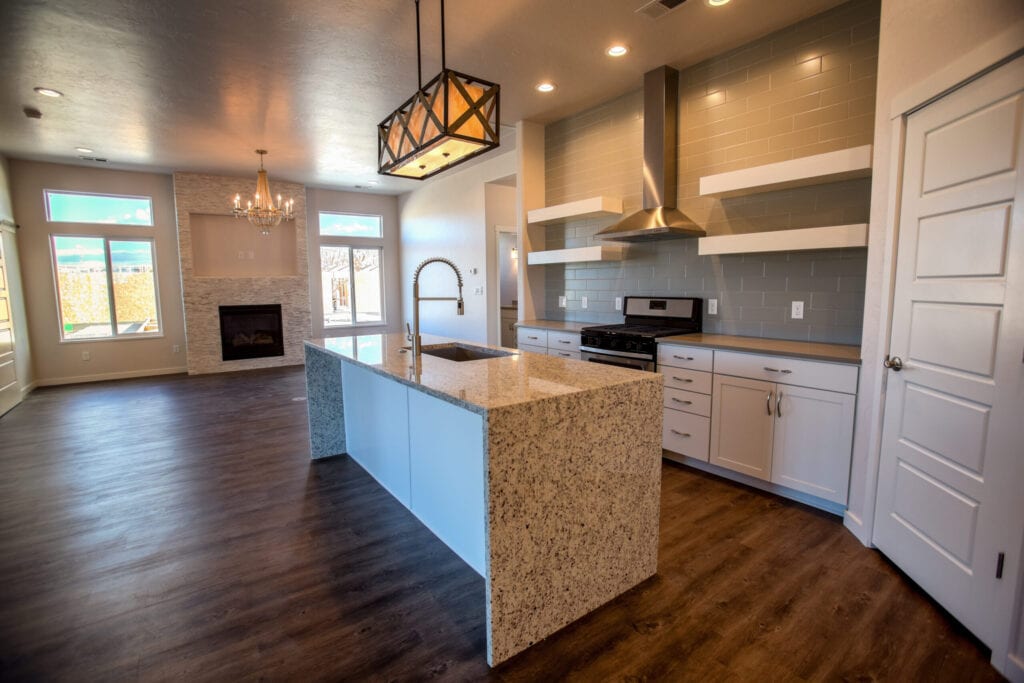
(542, 473)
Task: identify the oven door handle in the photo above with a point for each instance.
(620, 354)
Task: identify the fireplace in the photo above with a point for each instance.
(251, 332)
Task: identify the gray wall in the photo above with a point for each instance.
(807, 89)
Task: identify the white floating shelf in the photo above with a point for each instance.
(832, 237)
(602, 252)
(831, 167)
(592, 207)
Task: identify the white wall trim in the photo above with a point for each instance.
(103, 377)
(28, 389)
(1014, 669)
(956, 73)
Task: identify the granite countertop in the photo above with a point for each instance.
(557, 325)
(479, 385)
(836, 353)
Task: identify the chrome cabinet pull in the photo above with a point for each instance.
(678, 433)
(895, 363)
(768, 402)
(681, 379)
(679, 400)
(564, 341)
(563, 353)
(784, 372)
(778, 405)
(529, 337)
(683, 357)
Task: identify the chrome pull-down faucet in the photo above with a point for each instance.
(414, 334)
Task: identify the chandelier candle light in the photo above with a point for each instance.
(261, 211)
(452, 119)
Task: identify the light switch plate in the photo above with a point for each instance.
(583, 302)
(618, 303)
(712, 306)
(561, 301)
(86, 355)
(798, 310)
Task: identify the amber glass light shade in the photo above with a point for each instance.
(453, 118)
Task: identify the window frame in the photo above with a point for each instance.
(49, 218)
(351, 242)
(319, 229)
(107, 239)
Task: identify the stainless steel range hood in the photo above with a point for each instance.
(659, 219)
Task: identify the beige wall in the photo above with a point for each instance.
(447, 217)
(55, 362)
(385, 206)
(499, 210)
(919, 38)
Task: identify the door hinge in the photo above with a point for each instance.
(999, 565)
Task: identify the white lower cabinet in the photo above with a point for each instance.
(685, 433)
(686, 424)
(742, 425)
(549, 342)
(794, 436)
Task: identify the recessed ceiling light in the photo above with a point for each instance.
(49, 92)
(616, 50)
(545, 87)
(717, 3)
(84, 150)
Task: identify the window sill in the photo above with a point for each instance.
(124, 337)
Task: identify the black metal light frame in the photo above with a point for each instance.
(485, 110)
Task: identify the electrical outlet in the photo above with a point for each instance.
(561, 301)
(478, 290)
(250, 255)
(798, 310)
(241, 256)
(712, 306)
(176, 348)
(618, 303)
(474, 271)
(583, 302)
(86, 355)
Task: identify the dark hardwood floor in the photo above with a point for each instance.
(174, 528)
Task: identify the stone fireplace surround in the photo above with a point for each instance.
(196, 193)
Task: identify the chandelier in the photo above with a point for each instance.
(452, 119)
(261, 211)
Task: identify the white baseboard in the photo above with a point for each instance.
(28, 388)
(1013, 669)
(855, 525)
(103, 377)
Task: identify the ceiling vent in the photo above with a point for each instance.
(656, 9)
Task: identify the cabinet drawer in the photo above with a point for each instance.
(686, 434)
(688, 402)
(532, 337)
(804, 373)
(575, 355)
(564, 341)
(690, 380)
(688, 357)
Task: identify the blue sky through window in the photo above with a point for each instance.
(73, 207)
(349, 225)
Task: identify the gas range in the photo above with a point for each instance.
(634, 343)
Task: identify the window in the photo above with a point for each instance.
(82, 207)
(350, 225)
(352, 287)
(106, 287)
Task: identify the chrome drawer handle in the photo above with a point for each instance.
(683, 357)
(678, 433)
(563, 353)
(563, 341)
(681, 379)
(784, 372)
(528, 337)
(679, 400)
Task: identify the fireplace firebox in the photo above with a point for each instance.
(251, 332)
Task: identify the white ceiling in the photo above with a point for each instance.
(197, 85)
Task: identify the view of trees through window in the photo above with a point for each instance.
(106, 286)
(80, 207)
(352, 287)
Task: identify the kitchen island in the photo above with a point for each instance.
(543, 474)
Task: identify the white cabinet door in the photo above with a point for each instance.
(813, 438)
(742, 421)
(377, 427)
(447, 474)
(949, 510)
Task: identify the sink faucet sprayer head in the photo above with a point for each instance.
(461, 307)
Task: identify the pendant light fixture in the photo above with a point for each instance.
(452, 119)
(261, 211)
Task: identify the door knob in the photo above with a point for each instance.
(895, 363)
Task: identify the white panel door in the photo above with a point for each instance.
(10, 391)
(742, 420)
(813, 439)
(951, 481)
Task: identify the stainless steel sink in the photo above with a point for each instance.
(463, 352)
